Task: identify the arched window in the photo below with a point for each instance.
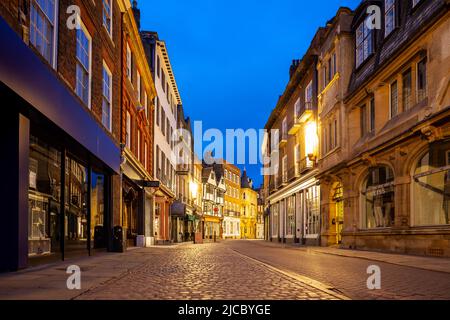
(378, 198)
(431, 186)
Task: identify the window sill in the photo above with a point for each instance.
(366, 61)
(329, 153)
(330, 84)
(110, 36)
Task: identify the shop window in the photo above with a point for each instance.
(44, 217)
(275, 220)
(76, 205)
(312, 197)
(431, 186)
(98, 231)
(378, 196)
(290, 229)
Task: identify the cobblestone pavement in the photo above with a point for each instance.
(349, 274)
(203, 272)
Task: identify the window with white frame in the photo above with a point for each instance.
(107, 97)
(138, 153)
(364, 43)
(43, 28)
(83, 65)
(285, 169)
(145, 156)
(138, 85)
(284, 128)
(107, 16)
(129, 57)
(297, 157)
(309, 96)
(146, 104)
(394, 99)
(422, 80)
(128, 131)
(389, 16)
(297, 108)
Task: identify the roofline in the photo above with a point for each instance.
(171, 74)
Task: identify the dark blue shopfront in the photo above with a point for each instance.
(57, 163)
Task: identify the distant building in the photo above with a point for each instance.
(232, 205)
(249, 208)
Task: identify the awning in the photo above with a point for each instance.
(178, 209)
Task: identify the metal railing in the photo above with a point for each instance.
(304, 165)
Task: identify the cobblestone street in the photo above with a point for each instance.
(210, 271)
(235, 270)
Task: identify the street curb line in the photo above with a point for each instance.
(305, 280)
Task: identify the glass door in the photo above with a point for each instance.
(98, 226)
(76, 206)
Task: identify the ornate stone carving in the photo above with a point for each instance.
(431, 133)
(369, 160)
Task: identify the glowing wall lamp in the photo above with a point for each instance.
(194, 189)
(311, 140)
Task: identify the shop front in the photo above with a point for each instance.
(212, 227)
(58, 162)
(295, 214)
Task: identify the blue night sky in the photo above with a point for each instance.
(231, 58)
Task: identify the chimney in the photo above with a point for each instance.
(137, 15)
(293, 67)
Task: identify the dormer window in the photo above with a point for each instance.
(364, 43)
(389, 16)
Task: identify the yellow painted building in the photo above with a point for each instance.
(249, 208)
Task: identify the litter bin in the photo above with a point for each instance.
(119, 244)
(99, 237)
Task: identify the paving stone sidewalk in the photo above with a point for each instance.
(209, 271)
(413, 261)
